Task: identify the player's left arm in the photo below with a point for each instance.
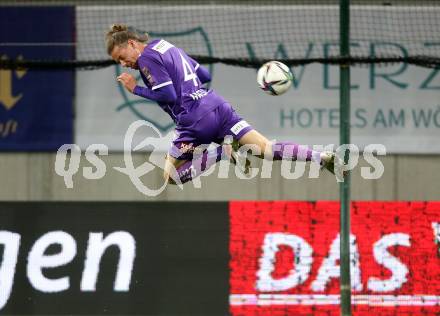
(201, 71)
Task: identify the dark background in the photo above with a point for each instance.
(181, 264)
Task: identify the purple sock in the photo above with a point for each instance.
(191, 169)
(292, 151)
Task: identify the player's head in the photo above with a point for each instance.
(124, 44)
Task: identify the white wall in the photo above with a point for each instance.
(32, 177)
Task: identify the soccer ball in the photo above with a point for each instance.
(274, 78)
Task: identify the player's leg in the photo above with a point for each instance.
(242, 132)
(189, 155)
(288, 150)
(171, 165)
(181, 171)
(280, 150)
(254, 138)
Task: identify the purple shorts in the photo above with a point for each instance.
(212, 127)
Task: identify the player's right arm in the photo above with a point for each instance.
(163, 89)
(165, 94)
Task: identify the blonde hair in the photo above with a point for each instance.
(119, 34)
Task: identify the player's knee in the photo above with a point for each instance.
(167, 177)
(171, 181)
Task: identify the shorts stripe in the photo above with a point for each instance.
(238, 127)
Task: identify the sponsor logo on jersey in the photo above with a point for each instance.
(148, 76)
(162, 46)
(186, 148)
(198, 94)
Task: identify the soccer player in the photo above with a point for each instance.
(175, 81)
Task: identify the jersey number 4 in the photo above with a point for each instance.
(188, 72)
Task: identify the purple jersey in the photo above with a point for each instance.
(161, 64)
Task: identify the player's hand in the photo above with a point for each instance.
(127, 80)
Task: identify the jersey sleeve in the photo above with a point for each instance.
(166, 95)
(152, 67)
